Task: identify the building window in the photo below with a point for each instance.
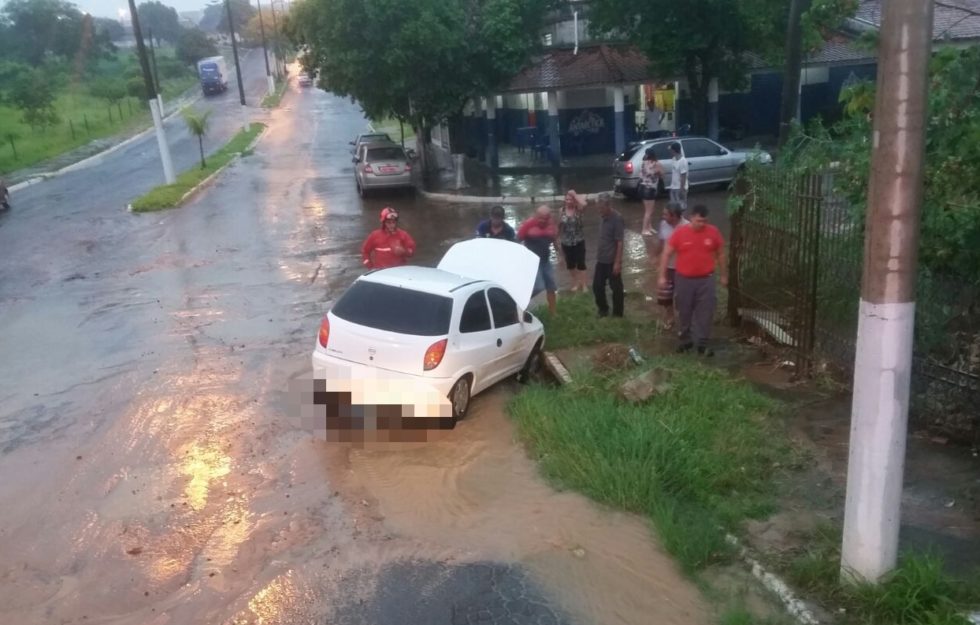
(546, 39)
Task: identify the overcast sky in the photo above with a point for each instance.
(111, 8)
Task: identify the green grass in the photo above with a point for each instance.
(77, 106)
(697, 459)
(272, 100)
(576, 324)
(918, 592)
(169, 196)
(391, 126)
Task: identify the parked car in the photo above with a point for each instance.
(305, 80)
(709, 163)
(382, 166)
(369, 137)
(456, 329)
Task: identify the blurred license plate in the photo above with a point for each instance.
(389, 170)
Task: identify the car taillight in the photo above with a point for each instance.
(324, 332)
(433, 355)
(628, 167)
(408, 167)
(368, 169)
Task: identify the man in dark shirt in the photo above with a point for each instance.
(609, 260)
(496, 227)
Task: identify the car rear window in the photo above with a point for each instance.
(395, 309)
(630, 151)
(385, 154)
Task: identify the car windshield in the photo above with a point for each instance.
(385, 154)
(395, 309)
(370, 138)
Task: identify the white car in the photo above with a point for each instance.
(448, 332)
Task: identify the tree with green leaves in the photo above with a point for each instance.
(34, 29)
(194, 45)
(34, 95)
(159, 19)
(215, 17)
(198, 125)
(417, 61)
(703, 40)
(110, 28)
(111, 89)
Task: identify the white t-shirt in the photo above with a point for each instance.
(664, 232)
(680, 167)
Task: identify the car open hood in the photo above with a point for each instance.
(510, 265)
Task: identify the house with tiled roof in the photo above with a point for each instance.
(581, 96)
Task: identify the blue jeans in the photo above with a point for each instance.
(546, 279)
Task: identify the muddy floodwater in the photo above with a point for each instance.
(151, 472)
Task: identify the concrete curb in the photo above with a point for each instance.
(503, 199)
(27, 183)
(204, 184)
(556, 368)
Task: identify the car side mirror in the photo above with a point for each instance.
(722, 151)
(528, 317)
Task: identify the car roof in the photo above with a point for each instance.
(367, 135)
(426, 279)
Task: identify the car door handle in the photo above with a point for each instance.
(499, 342)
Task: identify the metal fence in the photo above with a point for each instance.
(796, 261)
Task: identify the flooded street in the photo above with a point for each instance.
(151, 470)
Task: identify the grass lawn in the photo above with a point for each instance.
(88, 117)
(391, 126)
(272, 100)
(698, 460)
(169, 195)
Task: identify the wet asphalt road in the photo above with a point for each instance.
(151, 471)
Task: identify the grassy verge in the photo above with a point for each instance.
(169, 195)
(393, 129)
(697, 459)
(82, 118)
(575, 323)
(272, 100)
(918, 591)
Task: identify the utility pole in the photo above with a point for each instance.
(156, 72)
(168, 166)
(883, 361)
(275, 45)
(265, 51)
(238, 67)
(789, 103)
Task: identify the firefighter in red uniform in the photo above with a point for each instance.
(388, 246)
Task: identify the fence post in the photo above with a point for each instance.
(71, 127)
(735, 252)
(110, 114)
(129, 103)
(87, 129)
(815, 192)
(13, 146)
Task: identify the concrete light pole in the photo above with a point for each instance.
(238, 66)
(883, 361)
(168, 166)
(265, 51)
(156, 72)
(277, 54)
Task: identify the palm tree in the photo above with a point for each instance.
(198, 125)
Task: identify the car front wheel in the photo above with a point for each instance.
(531, 365)
(459, 397)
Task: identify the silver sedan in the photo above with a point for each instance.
(382, 166)
(709, 163)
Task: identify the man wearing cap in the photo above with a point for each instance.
(388, 246)
(496, 227)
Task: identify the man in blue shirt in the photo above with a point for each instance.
(496, 227)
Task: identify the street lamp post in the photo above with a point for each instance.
(168, 166)
(238, 67)
(277, 49)
(265, 51)
(156, 72)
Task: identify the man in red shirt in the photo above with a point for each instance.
(389, 246)
(699, 249)
(539, 233)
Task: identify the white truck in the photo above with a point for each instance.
(213, 72)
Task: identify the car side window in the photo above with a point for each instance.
(503, 306)
(694, 148)
(662, 151)
(476, 316)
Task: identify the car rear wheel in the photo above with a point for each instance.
(459, 397)
(531, 365)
